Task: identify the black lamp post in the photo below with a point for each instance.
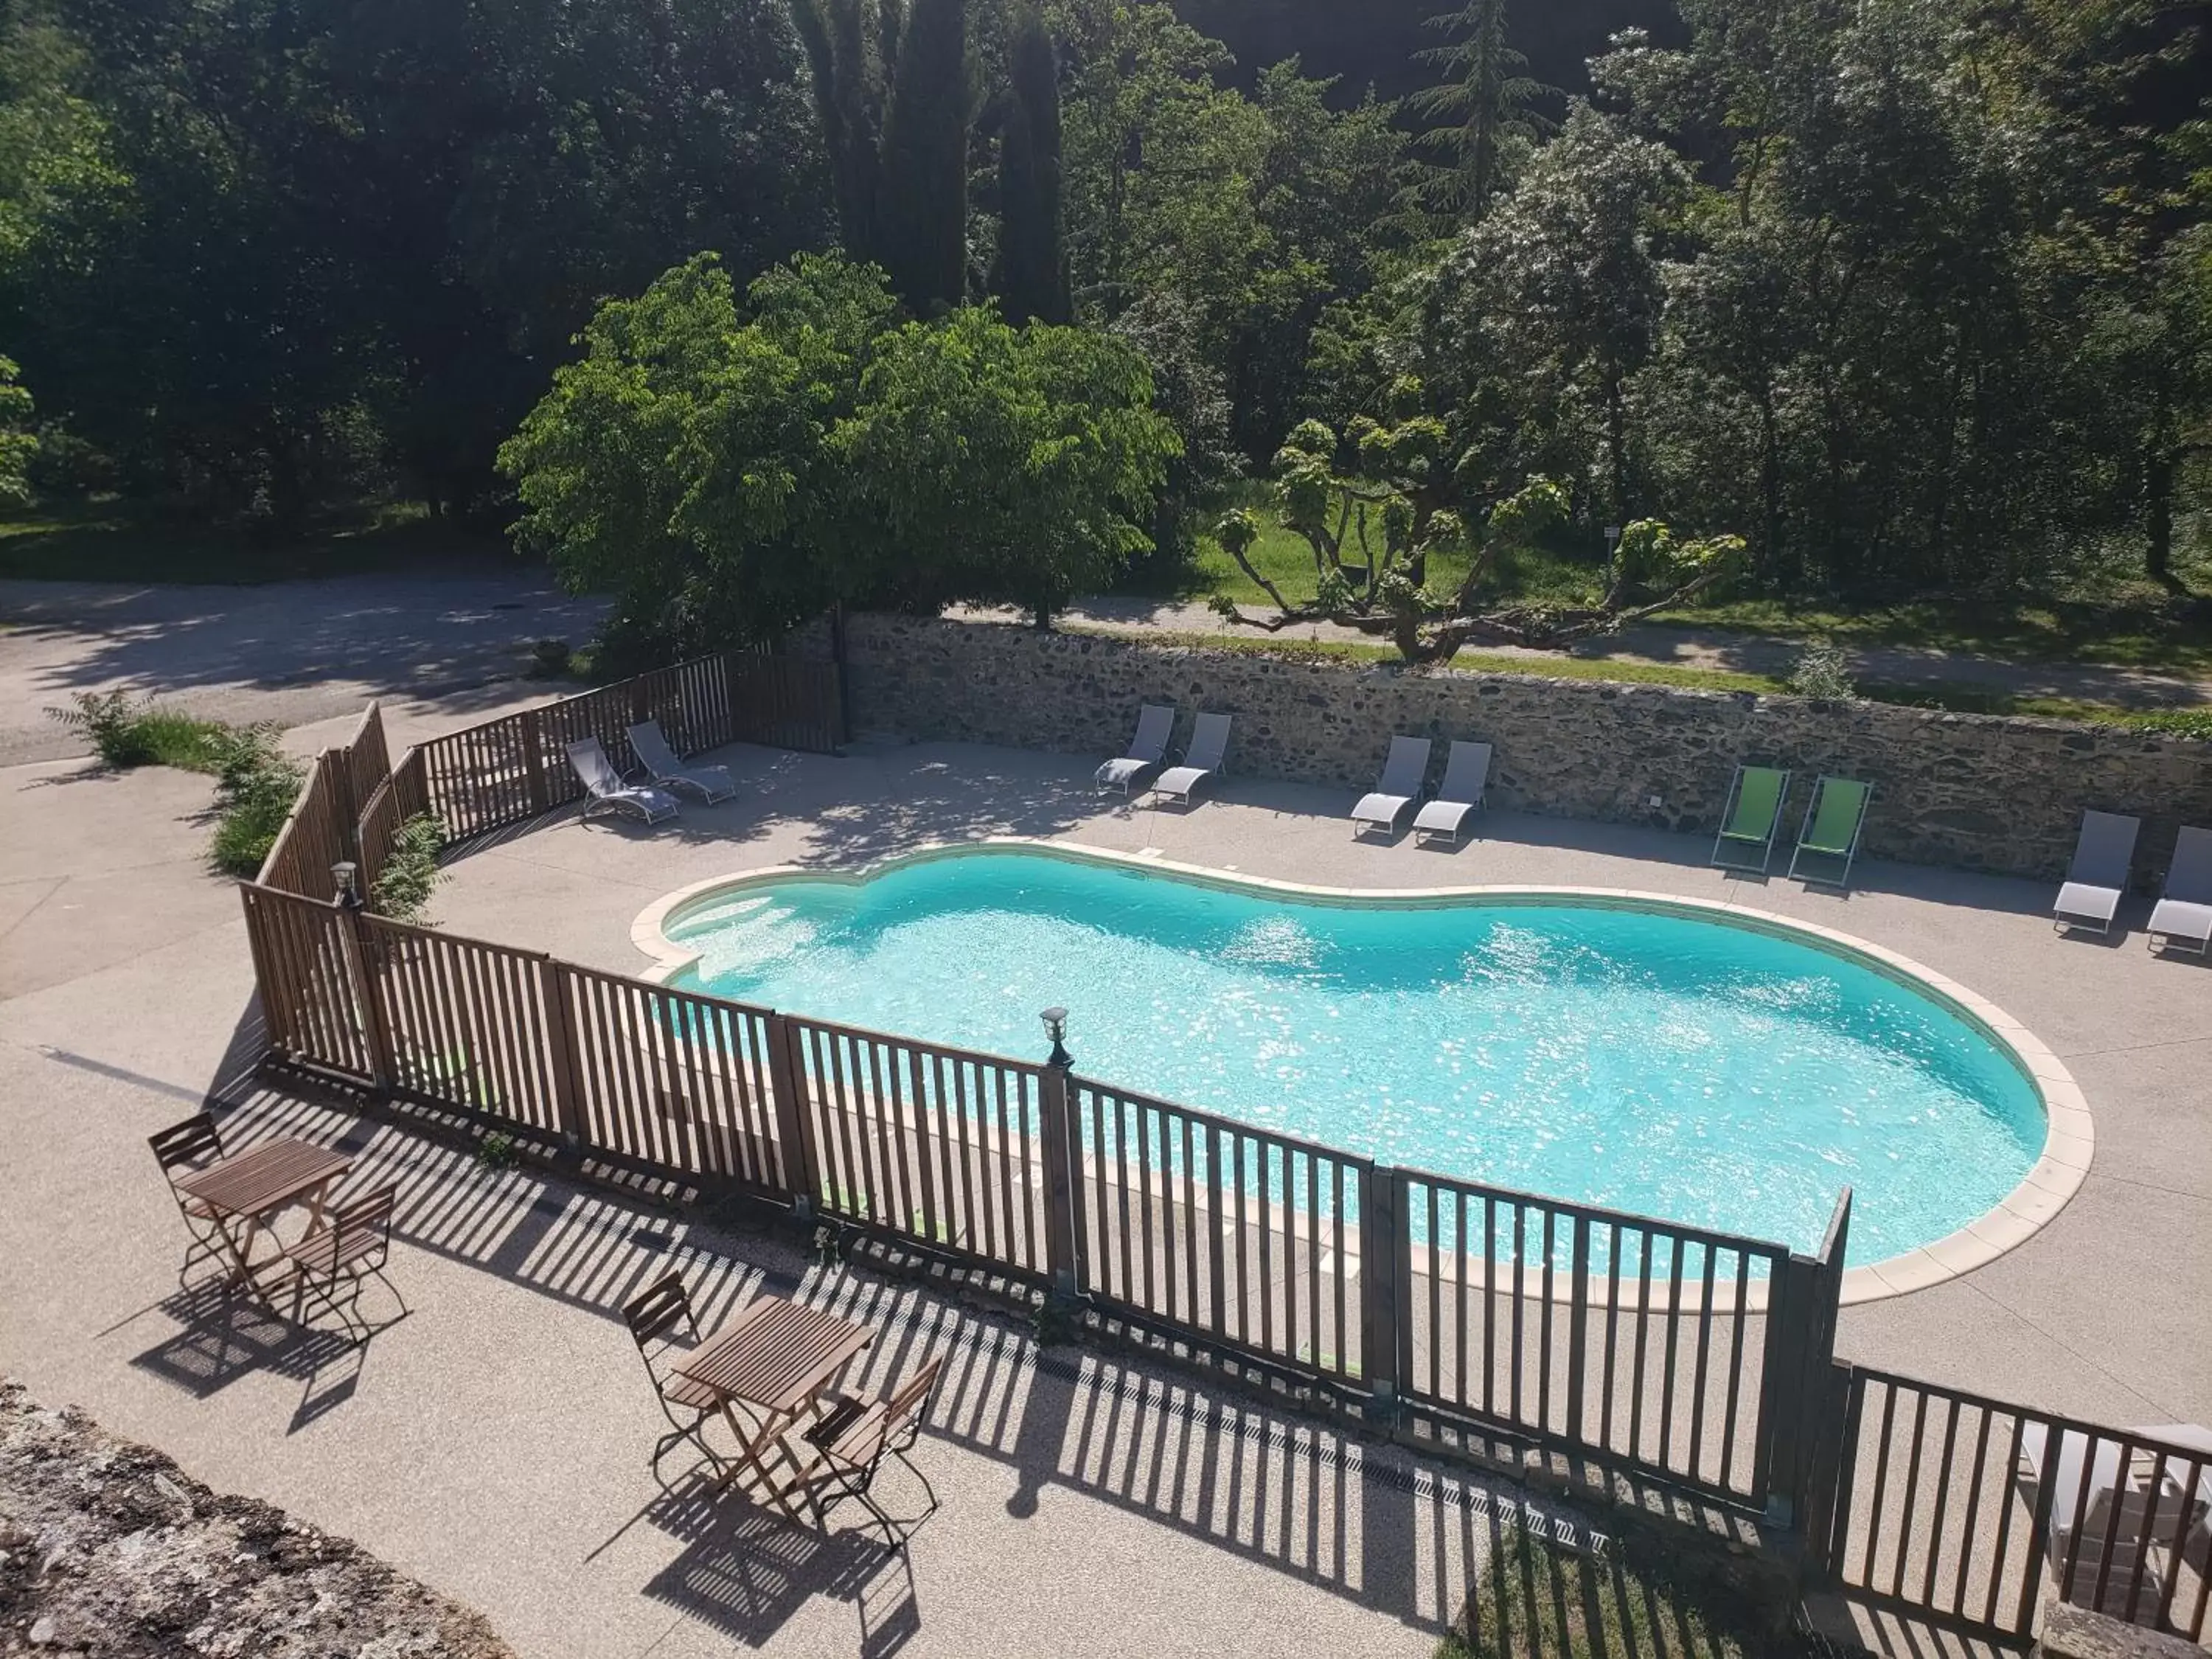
(1055, 1027)
(345, 873)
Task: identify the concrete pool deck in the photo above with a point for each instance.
(1091, 1505)
(2104, 1312)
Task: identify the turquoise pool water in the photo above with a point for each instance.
(1647, 1061)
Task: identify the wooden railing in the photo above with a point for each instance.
(1968, 1510)
(513, 768)
(1248, 1238)
(1655, 1345)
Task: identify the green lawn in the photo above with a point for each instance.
(107, 542)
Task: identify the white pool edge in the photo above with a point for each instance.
(2070, 1133)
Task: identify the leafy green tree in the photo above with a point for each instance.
(18, 442)
(684, 463)
(1031, 275)
(1483, 107)
(1005, 463)
(727, 471)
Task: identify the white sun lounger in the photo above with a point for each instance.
(2183, 921)
(709, 783)
(1398, 788)
(609, 792)
(1209, 744)
(1147, 749)
(2099, 872)
(1466, 776)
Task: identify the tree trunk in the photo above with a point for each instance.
(2160, 463)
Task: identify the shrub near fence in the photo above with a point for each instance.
(1697, 1359)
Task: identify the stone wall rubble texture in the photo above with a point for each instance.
(1983, 792)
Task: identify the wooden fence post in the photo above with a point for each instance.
(562, 1059)
(1055, 1097)
(336, 767)
(363, 953)
(802, 1173)
(1380, 1204)
(533, 760)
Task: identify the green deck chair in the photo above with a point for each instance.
(1752, 819)
(1831, 826)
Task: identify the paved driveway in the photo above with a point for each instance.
(290, 652)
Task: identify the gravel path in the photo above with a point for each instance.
(1694, 647)
(289, 651)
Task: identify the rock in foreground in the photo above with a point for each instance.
(109, 1551)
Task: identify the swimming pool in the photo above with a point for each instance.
(1672, 1062)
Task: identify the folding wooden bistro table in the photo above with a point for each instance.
(245, 1193)
(776, 1357)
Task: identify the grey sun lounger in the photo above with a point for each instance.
(1398, 788)
(2099, 872)
(1209, 744)
(1148, 750)
(1831, 830)
(605, 790)
(1466, 776)
(2183, 921)
(709, 783)
(1751, 818)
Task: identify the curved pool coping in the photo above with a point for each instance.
(2070, 1134)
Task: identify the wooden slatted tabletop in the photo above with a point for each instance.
(253, 1184)
(776, 1354)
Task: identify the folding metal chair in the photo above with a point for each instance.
(654, 1317)
(181, 1149)
(331, 1264)
(855, 1437)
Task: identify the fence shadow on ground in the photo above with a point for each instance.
(1359, 1520)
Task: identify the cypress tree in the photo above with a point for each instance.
(848, 98)
(1032, 278)
(922, 205)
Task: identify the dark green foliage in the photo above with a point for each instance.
(410, 872)
(256, 784)
(127, 730)
(729, 471)
(1485, 102)
(1031, 274)
(924, 206)
(266, 256)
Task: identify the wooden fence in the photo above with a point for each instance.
(509, 770)
(1665, 1348)
(1967, 1509)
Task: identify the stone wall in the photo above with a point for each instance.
(1983, 792)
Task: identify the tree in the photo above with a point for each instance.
(18, 442)
(893, 99)
(1486, 103)
(1388, 505)
(923, 210)
(684, 463)
(727, 471)
(1005, 463)
(1032, 278)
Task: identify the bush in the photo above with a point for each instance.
(255, 783)
(127, 730)
(410, 872)
(1823, 671)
